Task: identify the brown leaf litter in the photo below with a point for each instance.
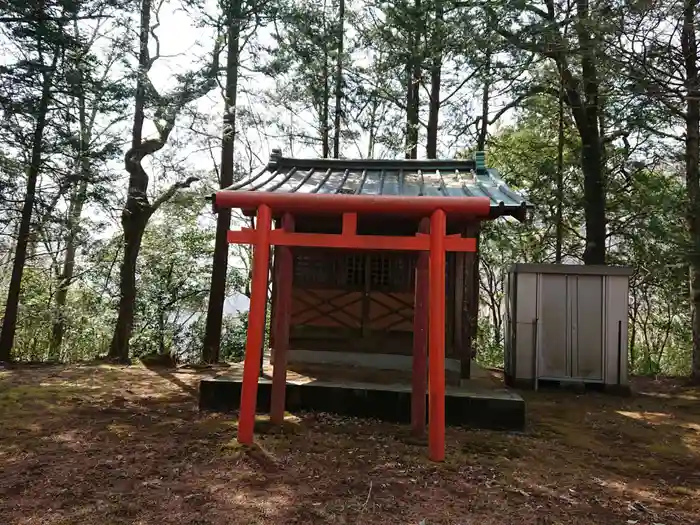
(112, 445)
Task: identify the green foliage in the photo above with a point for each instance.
(173, 282)
(490, 347)
(645, 232)
(172, 285)
(172, 278)
(484, 71)
(88, 315)
(234, 337)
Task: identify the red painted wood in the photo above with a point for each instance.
(256, 325)
(420, 341)
(460, 244)
(360, 242)
(283, 312)
(436, 335)
(334, 204)
(437, 243)
(349, 223)
(242, 236)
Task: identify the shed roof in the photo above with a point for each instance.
(572, 269)
(416, 178)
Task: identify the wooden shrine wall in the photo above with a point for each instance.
(332, 310)
(466, 292)
(358, 301)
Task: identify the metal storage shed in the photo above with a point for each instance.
(566, 323)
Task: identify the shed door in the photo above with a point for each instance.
(587, 328)
(570, 332)
(554, 317)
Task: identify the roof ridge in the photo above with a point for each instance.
(277, 160)
(410, 177)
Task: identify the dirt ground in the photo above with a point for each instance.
(112, 445)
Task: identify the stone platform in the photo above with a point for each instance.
(478, 403)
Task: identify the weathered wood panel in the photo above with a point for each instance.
(470, 303)
(328, 308)
(363, 301)
(391, 312)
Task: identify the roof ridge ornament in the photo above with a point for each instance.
(275, 156)
(480, 161)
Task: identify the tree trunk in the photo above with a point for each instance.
(374, 106)
(411, 115)
(634, 320)
(560, 181)
(482, 132)
(161, 331)
(433, 114)
(75, 211)
(137, 209)
(692, 165)
(339, 80)
(217, 291)
(413, 76)
(592, 146)
(435, 72)
(325, 103)
(594, 197)
(134, 220)
(485, 103)
(325, 109)
(9, 323)
(66, 278)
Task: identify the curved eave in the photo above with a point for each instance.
(373, 205)
(378, 180)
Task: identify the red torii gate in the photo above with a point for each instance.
(436, 243)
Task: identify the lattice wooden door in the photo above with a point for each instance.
(361, 292)
(389, 283)
(322, 296)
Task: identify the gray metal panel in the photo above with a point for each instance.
(616, 319)
(571, 269)
(443, 178)
(392, 184)
(571, 323)
(412, 185)
(580, 315)
(553, 340)
(314, 182)
(587, 330)
(334, 183)
(373, 183)
(526, 312)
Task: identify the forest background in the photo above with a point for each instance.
(120, 116)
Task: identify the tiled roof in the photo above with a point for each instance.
(446, 178)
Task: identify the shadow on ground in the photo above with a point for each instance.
(170, 374)
(117, 445)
